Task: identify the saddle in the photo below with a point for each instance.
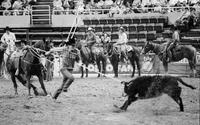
(124, 52)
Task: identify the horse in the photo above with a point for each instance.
(114, 57)
(29, 65)
(85, 54)
(179, 52)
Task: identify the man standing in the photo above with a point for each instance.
(70, 55)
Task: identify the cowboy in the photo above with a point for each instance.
(9, 39)
(91, 40)
(69, 58)
(172, 44)
(121, 42)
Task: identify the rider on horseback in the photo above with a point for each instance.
(91, 40)
(171, 45)
(121, 43)
(9, 39)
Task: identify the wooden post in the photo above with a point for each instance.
(27, 36)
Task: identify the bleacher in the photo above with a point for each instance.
(139, 28)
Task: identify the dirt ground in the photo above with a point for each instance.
(90, 101)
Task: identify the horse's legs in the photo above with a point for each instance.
(115, 68)
(42, 83)
(138, 66)
(104, 66)
(86, 66)
(82, 71)
(165, 65)
(99, 66)
(28, 79)
(5, 68)
(133, 65)
(24, 83)
(192, 67)
(14, 82)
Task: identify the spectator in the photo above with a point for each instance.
(27, 10)
(100, 4)
(108, 3)
(185, 15)
(66, 5)
(17, 5)
(57, 4)
(119, 2)
(71, 4)
(80, 7)
(6, 5)
(113, 10)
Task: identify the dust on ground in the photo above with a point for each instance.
(90, 101)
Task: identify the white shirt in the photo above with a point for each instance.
(122, 38)
(10, 40)
(57, 3)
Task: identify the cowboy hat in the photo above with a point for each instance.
(122, 28)
(90, 29)
(7, 28)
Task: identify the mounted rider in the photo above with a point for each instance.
(9, 39)
(172, 44)
(91, 39)
(20, 51)
(121, 43)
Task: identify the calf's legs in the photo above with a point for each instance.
(128, 102)
(175, 95)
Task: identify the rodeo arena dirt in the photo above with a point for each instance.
(112, 62)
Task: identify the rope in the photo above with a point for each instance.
(115, 79)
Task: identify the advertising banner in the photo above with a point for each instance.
(150, 64)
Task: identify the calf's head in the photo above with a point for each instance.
(125, 88)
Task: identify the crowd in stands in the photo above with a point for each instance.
(125, 6)
(15, 7)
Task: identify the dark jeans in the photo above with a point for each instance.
(68, 78)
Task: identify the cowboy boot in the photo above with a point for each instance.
(67, 84)
(57, 93)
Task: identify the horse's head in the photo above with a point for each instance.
(147, 47)
(79, 44)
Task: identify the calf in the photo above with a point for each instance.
(153, 86)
